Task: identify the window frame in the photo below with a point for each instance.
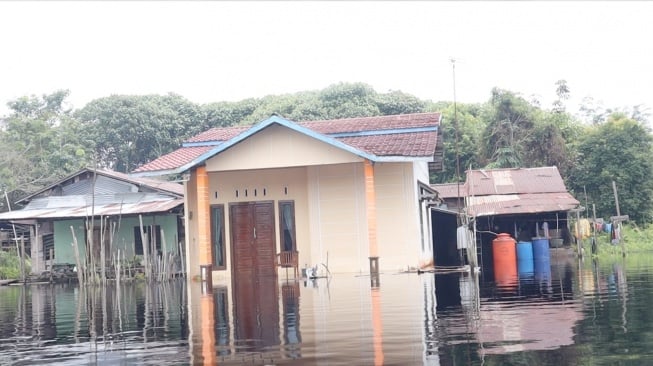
(282, 230)
(214, 237)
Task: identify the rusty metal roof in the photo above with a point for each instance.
(506, 204)
(450, 190)
(100, 205)
(492, 192)
(509, 181)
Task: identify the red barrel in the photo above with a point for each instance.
(504, 255)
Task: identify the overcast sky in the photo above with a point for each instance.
(215, 51)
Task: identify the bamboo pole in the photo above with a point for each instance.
(145, 241)
(20, 263)
(80, 270)
(103, 269)
(22, 259)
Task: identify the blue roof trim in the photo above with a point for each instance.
(383, 132)
(202, 143)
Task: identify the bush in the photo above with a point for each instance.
(9, 265)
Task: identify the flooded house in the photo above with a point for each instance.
(525, 203)
(130, 218)
(347, 195)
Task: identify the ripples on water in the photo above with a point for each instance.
(572, 314)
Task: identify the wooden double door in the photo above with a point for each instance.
(253, 239)
(254, 277)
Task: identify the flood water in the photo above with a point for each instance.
(569, 314)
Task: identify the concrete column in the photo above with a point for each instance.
(204, 224)
(370, 205)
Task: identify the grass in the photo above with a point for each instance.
(633, 240)
(10, 265)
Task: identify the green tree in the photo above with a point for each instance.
(618, 150)
(345, 100)
(127, 131)
(397, 102)
(40, 143)
(467, 119)
(509, 119)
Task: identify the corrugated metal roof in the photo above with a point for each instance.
(450, 190)
(107, 182)
(506, 204)
(54, 207)
(509, 181)
(511, 191)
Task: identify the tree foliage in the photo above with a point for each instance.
(617, 150)
(463, 121)
(39, 144)
(42, 140)
(127, 131)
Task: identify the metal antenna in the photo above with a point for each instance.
(455, 121)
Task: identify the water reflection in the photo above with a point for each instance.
(565, 313)
(67, 324)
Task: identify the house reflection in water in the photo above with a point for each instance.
(535, 312)
(245, 326)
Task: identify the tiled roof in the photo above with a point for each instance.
(413, 144)
(408, 136)
(218, 134)
(174, 159)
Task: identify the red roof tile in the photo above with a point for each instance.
(408, 135)
(219, 134)
(417, 144)
(174, 159)
(378, 123)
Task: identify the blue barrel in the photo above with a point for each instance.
(541, 249)
(525, 267)
(543, 271)
(525, 251)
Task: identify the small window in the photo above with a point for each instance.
(287, 223)
(153, 234)
(217, 237)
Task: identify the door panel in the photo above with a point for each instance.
(253, 239)
(264, 239)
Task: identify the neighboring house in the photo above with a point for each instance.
(520, 201)
(335, 192)
(108, 204)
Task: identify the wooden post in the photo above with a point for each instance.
(51, 251)
(594, 244)
(579, 244)
(22, 259)
(616, 197)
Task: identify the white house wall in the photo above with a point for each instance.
(339, 224)
(397, 215)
